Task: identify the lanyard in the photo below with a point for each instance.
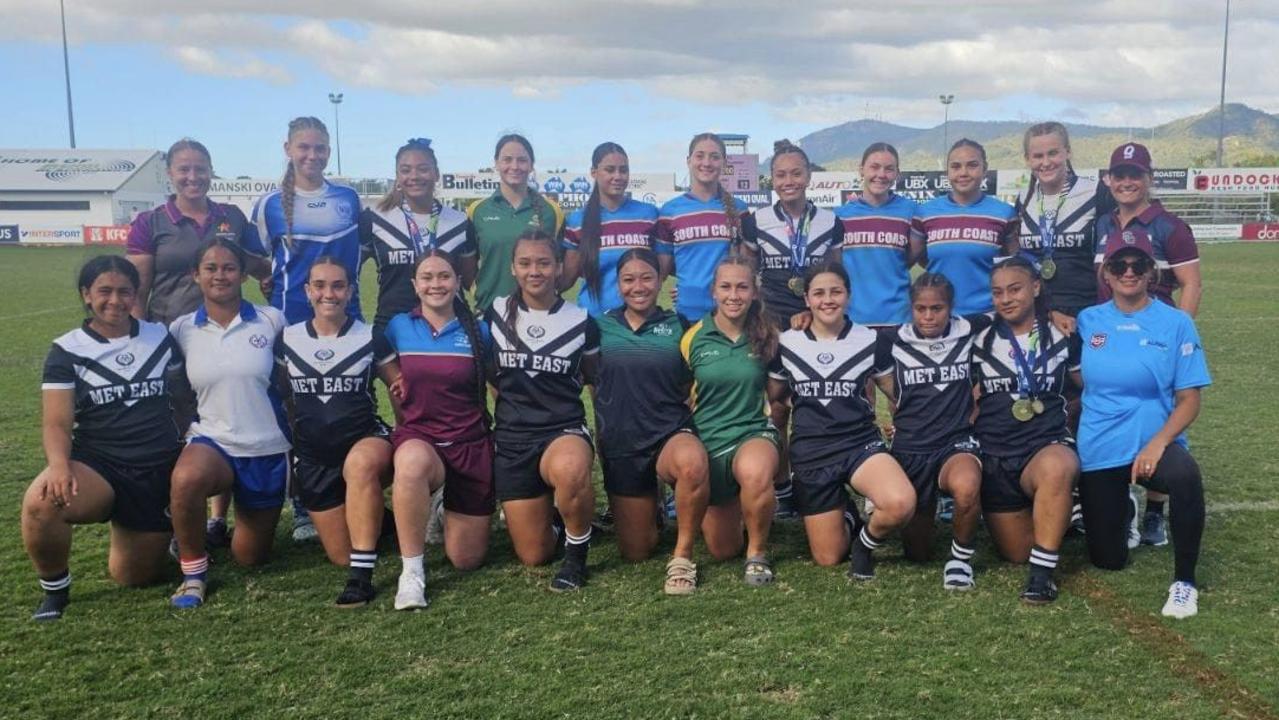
(416, 234)
(1027, 367)
(798, 239)
(1048, 222)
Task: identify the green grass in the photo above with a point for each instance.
(497, 643)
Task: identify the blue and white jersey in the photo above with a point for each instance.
(325, 222)
(697, 234)
(875, 242)
(1133, 364)
(962, 242)
(632, 225)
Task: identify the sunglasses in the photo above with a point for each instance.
(1127, 172)
(1119, 266)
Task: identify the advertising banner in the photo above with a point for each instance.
(243, 186)
(1249, 180)
(741, 173)
(106, 234)
(9, 234)
(1217, 231)
(1252, 232)
(52, 236)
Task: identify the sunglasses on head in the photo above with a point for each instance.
(1120, 266)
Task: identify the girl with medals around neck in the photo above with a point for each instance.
(1019, 366)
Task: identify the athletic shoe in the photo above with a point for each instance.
(946, 509)
(861, 562)
(603, 522)
(1153, 530)
(303, 529)
(435, 523)
(669, 505)
(357, 593)
(570, 576)
(51, 607)
(190, 594)
(1134, 532)
(1077, 520)
(217, 534)
(411, 593)
(1183, 601)
(1040, 589)
(957, 575)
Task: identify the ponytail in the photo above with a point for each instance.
(588, 242)
(467, 319)
(288, 191)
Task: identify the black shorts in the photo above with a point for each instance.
(318, 482)
(1001, 479)
(924, 469)
(517, 465)
(141, 492)
(635, 475)
(821, 489)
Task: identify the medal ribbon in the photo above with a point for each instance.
(1048, 223)
(798, 239)
(420, 246)
(1027, 367)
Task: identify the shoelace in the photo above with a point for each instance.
(1181, 593)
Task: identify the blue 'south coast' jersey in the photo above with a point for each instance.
(696, 233)
(875, 242)
(962, 242)
(632, 225)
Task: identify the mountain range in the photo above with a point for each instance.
(1251, 135)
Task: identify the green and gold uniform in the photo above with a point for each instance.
(494, 226)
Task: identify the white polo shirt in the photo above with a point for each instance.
(231, 370)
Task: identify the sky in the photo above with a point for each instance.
(646, 73)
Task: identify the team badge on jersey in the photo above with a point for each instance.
(1098, 340)
(124, 359)
(259, 341)
(323, 354)
(537, 332)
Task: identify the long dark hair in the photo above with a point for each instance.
(759, 330)
(786, 147)
(588, 242)
(1020, 262)
(534, 235)
(470, 325)
(229, 245)
(100, 265)
(395, 196)
(731, 216)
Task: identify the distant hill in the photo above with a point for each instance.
(1187, 142)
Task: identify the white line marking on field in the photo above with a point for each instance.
(34, 313)
(1253, 506)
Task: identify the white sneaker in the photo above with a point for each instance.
(957, 575)
(435, 523)
(1183, 601)
(1134, 529)
(411, 593)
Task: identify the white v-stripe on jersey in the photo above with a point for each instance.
(995, 373)
(538, 360)
(828, 381)
(933, 391)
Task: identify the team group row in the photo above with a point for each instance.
(1008, 330)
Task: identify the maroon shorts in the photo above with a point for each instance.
(468, 470)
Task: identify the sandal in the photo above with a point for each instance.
(681, 577)
(190, 594)
(758, 571)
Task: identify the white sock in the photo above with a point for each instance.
(413, 565)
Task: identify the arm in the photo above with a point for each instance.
(1183, 414)
(590, 368)
(469, 267)
(55, 431)
(885, 383)
(778, 391)
(1062, 321)
(146, 274)
(1191, 282)
(572, 269)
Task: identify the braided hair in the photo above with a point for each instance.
(759, 330)
(588, 243)
(288, 192)
(933, 281)
(470, 325)
(731, 216)
(786, 147)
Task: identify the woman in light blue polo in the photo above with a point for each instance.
(966, 229)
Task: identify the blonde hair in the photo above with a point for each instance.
(287, 190)
(726, 199)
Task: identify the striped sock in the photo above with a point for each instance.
(362, 562)
(783, 491)
(60, 583)
(195, 568)
(575, 546)
(962, 553)
(870, 542)
(1043, 561)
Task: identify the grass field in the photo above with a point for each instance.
(497, 643)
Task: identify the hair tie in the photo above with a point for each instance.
(420, 141)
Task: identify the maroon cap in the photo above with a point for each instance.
(1132, 239)
(1130, 154)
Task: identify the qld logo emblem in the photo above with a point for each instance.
(259, 341)
(124, 359)
(537, 332)
(825, 358)
(1097, 341)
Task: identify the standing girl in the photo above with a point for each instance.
(610, 225)
(966, 229)
(544, 348)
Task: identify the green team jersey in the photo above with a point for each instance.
(494, 227)
(729, 398)
(642, 394)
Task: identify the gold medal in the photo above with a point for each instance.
(1023, 410)
(796, 285)
(1047, 269)
(1037, 405)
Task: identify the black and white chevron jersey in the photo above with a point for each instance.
(331, 382)
(827, 379)
(538, 361)
(1072, 218)
(994, 371)
(122, 406)
(931, 381)
(388, 238)
(772, 236)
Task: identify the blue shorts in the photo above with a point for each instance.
(260, 482)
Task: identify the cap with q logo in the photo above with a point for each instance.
(1131, 239)
(1134, 155)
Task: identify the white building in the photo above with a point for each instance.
(51, 196)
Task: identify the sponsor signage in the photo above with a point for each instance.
(243, 186)
(52, 236)
(1218, 231)
(1171, 179)
(9, 234)
(106, 234)
(741, 174)
(1252, 232)
(1235, 180)
(755, 199)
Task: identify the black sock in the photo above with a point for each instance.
(1043, 562)
(57, 593)
(962, 553)
(783, 490)
(1155, 506)
(362, 562)
(575, 546)
(869, 542)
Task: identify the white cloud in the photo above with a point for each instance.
(203, 61)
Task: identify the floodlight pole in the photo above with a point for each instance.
(336, 99)
(66, 71)
(1221, 121)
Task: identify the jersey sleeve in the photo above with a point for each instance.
(140, 240)
(1191, 369)
(384, 344)
(592, 330)
(59, 370)
(980, 321)
(664, 237)
(366, 233)
(776, 368)
(259, 220)
(884, 339)
(573, 230)
(1180, 247)
(248, 238)
(1074, 350)
(749, 236)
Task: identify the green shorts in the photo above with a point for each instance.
(724, 487)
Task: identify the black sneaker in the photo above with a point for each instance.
(785, 509)
(51, 606)
(604, 522)
(1040, 589)
(217, 534)
(571, 576)
(356, 594)
(861, 562)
